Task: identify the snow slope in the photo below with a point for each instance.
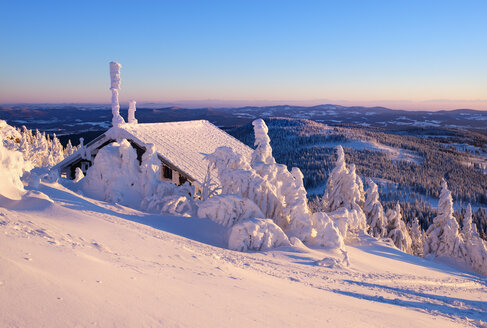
(81, 262)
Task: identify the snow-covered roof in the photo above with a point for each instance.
(183, 144)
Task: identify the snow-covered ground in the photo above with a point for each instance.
(81, 262)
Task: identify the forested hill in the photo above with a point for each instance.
(407, 168)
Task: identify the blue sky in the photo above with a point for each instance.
(402, 54)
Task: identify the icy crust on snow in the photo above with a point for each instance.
(11, 169)
(256, 234)
(182, 144)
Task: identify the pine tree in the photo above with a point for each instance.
(341, 189)
(397, 230)
(376, 219)
(417, 237)
(476, 247)
(469, 228)
(443, 236)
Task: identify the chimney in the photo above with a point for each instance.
(131, 116)
(115, 87)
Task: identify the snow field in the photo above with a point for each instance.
(86, 264)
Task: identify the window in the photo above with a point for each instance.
(182, 180)
(166, 172)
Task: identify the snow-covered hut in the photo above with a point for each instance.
(180, 146)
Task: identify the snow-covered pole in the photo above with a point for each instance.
(115, 86)
(131, 116)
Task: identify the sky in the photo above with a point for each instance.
(406, 54)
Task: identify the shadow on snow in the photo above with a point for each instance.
(201, 230)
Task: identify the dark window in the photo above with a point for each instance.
(182, 180)
(166, 172)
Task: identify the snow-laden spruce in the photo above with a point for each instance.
(38, 149)
(476, 247)
(238, 178)
(343, 198)
(276, 191)
(397, 229)
(469, 229)
(376, 218)
(417, 237)
(443, 236)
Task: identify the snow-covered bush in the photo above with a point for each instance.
(443, 236)
(350, 223)
(376, 219)
(11, 169)
(169, 198)
(115, 175)
(325, 232)
(178, 205)
(397, 229)
(228, 209)
(256, 234)
(78, 175)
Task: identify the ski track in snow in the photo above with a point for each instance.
(457, 296)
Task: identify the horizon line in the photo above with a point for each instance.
(221, 103)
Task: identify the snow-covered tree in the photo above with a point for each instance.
(39, 149)
(476, 247)
(238, 178)
(443, 236)
(263, 150)
(397, 230)
(335, 194)
(69, 149)
(376, 219)
(344, 188)
(417, 237)
(357, 187)
(469, 228)
(343, 198)
(277, 192)
(209, 186)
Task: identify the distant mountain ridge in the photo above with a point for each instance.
(72, 118)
